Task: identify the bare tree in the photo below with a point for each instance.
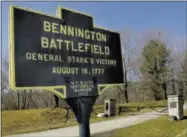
(13, 99)
(126, 47)
(5, 75)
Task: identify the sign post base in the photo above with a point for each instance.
(82, 108)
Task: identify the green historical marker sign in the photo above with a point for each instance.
(66, 54)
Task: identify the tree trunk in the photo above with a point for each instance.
(156, 95)
(29, 99)
(181, 91)
(18, 100)
(164, 86)
(125, 88)
(56, 101)
(24, 99)
(173, 86)
(156, 92)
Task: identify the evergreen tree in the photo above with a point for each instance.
(155, 69)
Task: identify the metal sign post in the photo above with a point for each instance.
(65, 54)
(82, 108)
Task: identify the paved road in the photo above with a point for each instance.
(98, 127)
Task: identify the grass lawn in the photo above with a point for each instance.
(159, 127)
(23, 121)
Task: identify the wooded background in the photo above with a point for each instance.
(155, 66)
